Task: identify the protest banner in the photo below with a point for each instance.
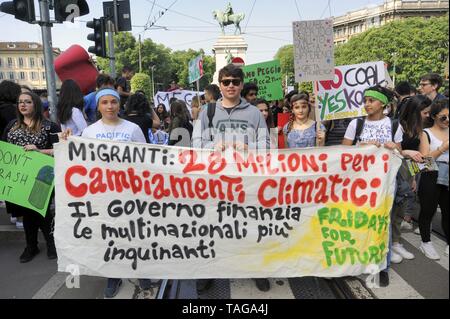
(184, 95)
(344, 96)
(267, 76)
(26, 178)
(313, 50)
(195, 69)
(127, 210)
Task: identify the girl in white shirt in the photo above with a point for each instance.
(433, 186)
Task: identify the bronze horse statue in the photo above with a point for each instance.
(225, 19)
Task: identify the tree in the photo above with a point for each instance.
(142, 82)
(415, 45)
(169, 66)
(181, 60)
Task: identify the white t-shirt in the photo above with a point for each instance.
(379, 131)
(125, 131)
(435, 143)
(77, 122)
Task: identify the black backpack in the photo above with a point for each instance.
(360, 125)
(211, 111)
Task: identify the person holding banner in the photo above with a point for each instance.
(379, 130)
(218, 119)
(34, 133)
(111, 127)
(301, 131)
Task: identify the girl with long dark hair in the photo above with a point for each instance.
(33, 132)
(69, 108)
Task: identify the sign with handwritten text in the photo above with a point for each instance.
(343, 97)
(127, 210)
(184, 95)
(267, 76)
(195, 69)
(26, 178)
(313, 50)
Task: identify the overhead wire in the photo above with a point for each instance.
(250, 15)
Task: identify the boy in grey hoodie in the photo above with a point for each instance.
(237, 124)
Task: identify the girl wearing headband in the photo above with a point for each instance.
(111, 127)
(377, 127)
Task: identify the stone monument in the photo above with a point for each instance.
(228, 47)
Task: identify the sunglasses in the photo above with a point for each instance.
(443, 118)
(236, 82)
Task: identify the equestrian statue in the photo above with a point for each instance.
(228, 17)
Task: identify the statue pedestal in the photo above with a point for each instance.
(235, 44)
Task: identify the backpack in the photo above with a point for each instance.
(360, 125)
(211, 111)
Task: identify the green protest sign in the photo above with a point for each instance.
(26, 178)
(267, 76)
(195, 69)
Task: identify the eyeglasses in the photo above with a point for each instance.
(444, 118)
(236, 82)
(424, 84)
(252, 94)
(25, 102)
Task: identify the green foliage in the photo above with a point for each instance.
(142, 81)
(286, 56)
(169, 65)
(416, 45)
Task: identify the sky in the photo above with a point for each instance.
(190, 24)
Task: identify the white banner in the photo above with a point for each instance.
(143, 211)
(184, 95)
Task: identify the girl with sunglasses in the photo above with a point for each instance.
(433, 187)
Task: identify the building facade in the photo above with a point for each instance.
(356, 22)
(23, 63)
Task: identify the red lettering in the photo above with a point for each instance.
(97, 185)
(200, 187)
(361, 200)
(191, 166)
(267, 202)
(135, 181)
(217, 163)
(76, 191)
(346, 159)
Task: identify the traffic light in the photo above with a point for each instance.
(67, 10)
(99, 49)
(21, 9)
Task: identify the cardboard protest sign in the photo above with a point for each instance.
(344, 96)
(184, 95)
(313, 50)
(26, 178)
(195, 69)
(127, 210)
(267, 76)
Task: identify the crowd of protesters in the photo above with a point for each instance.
(413, 122)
